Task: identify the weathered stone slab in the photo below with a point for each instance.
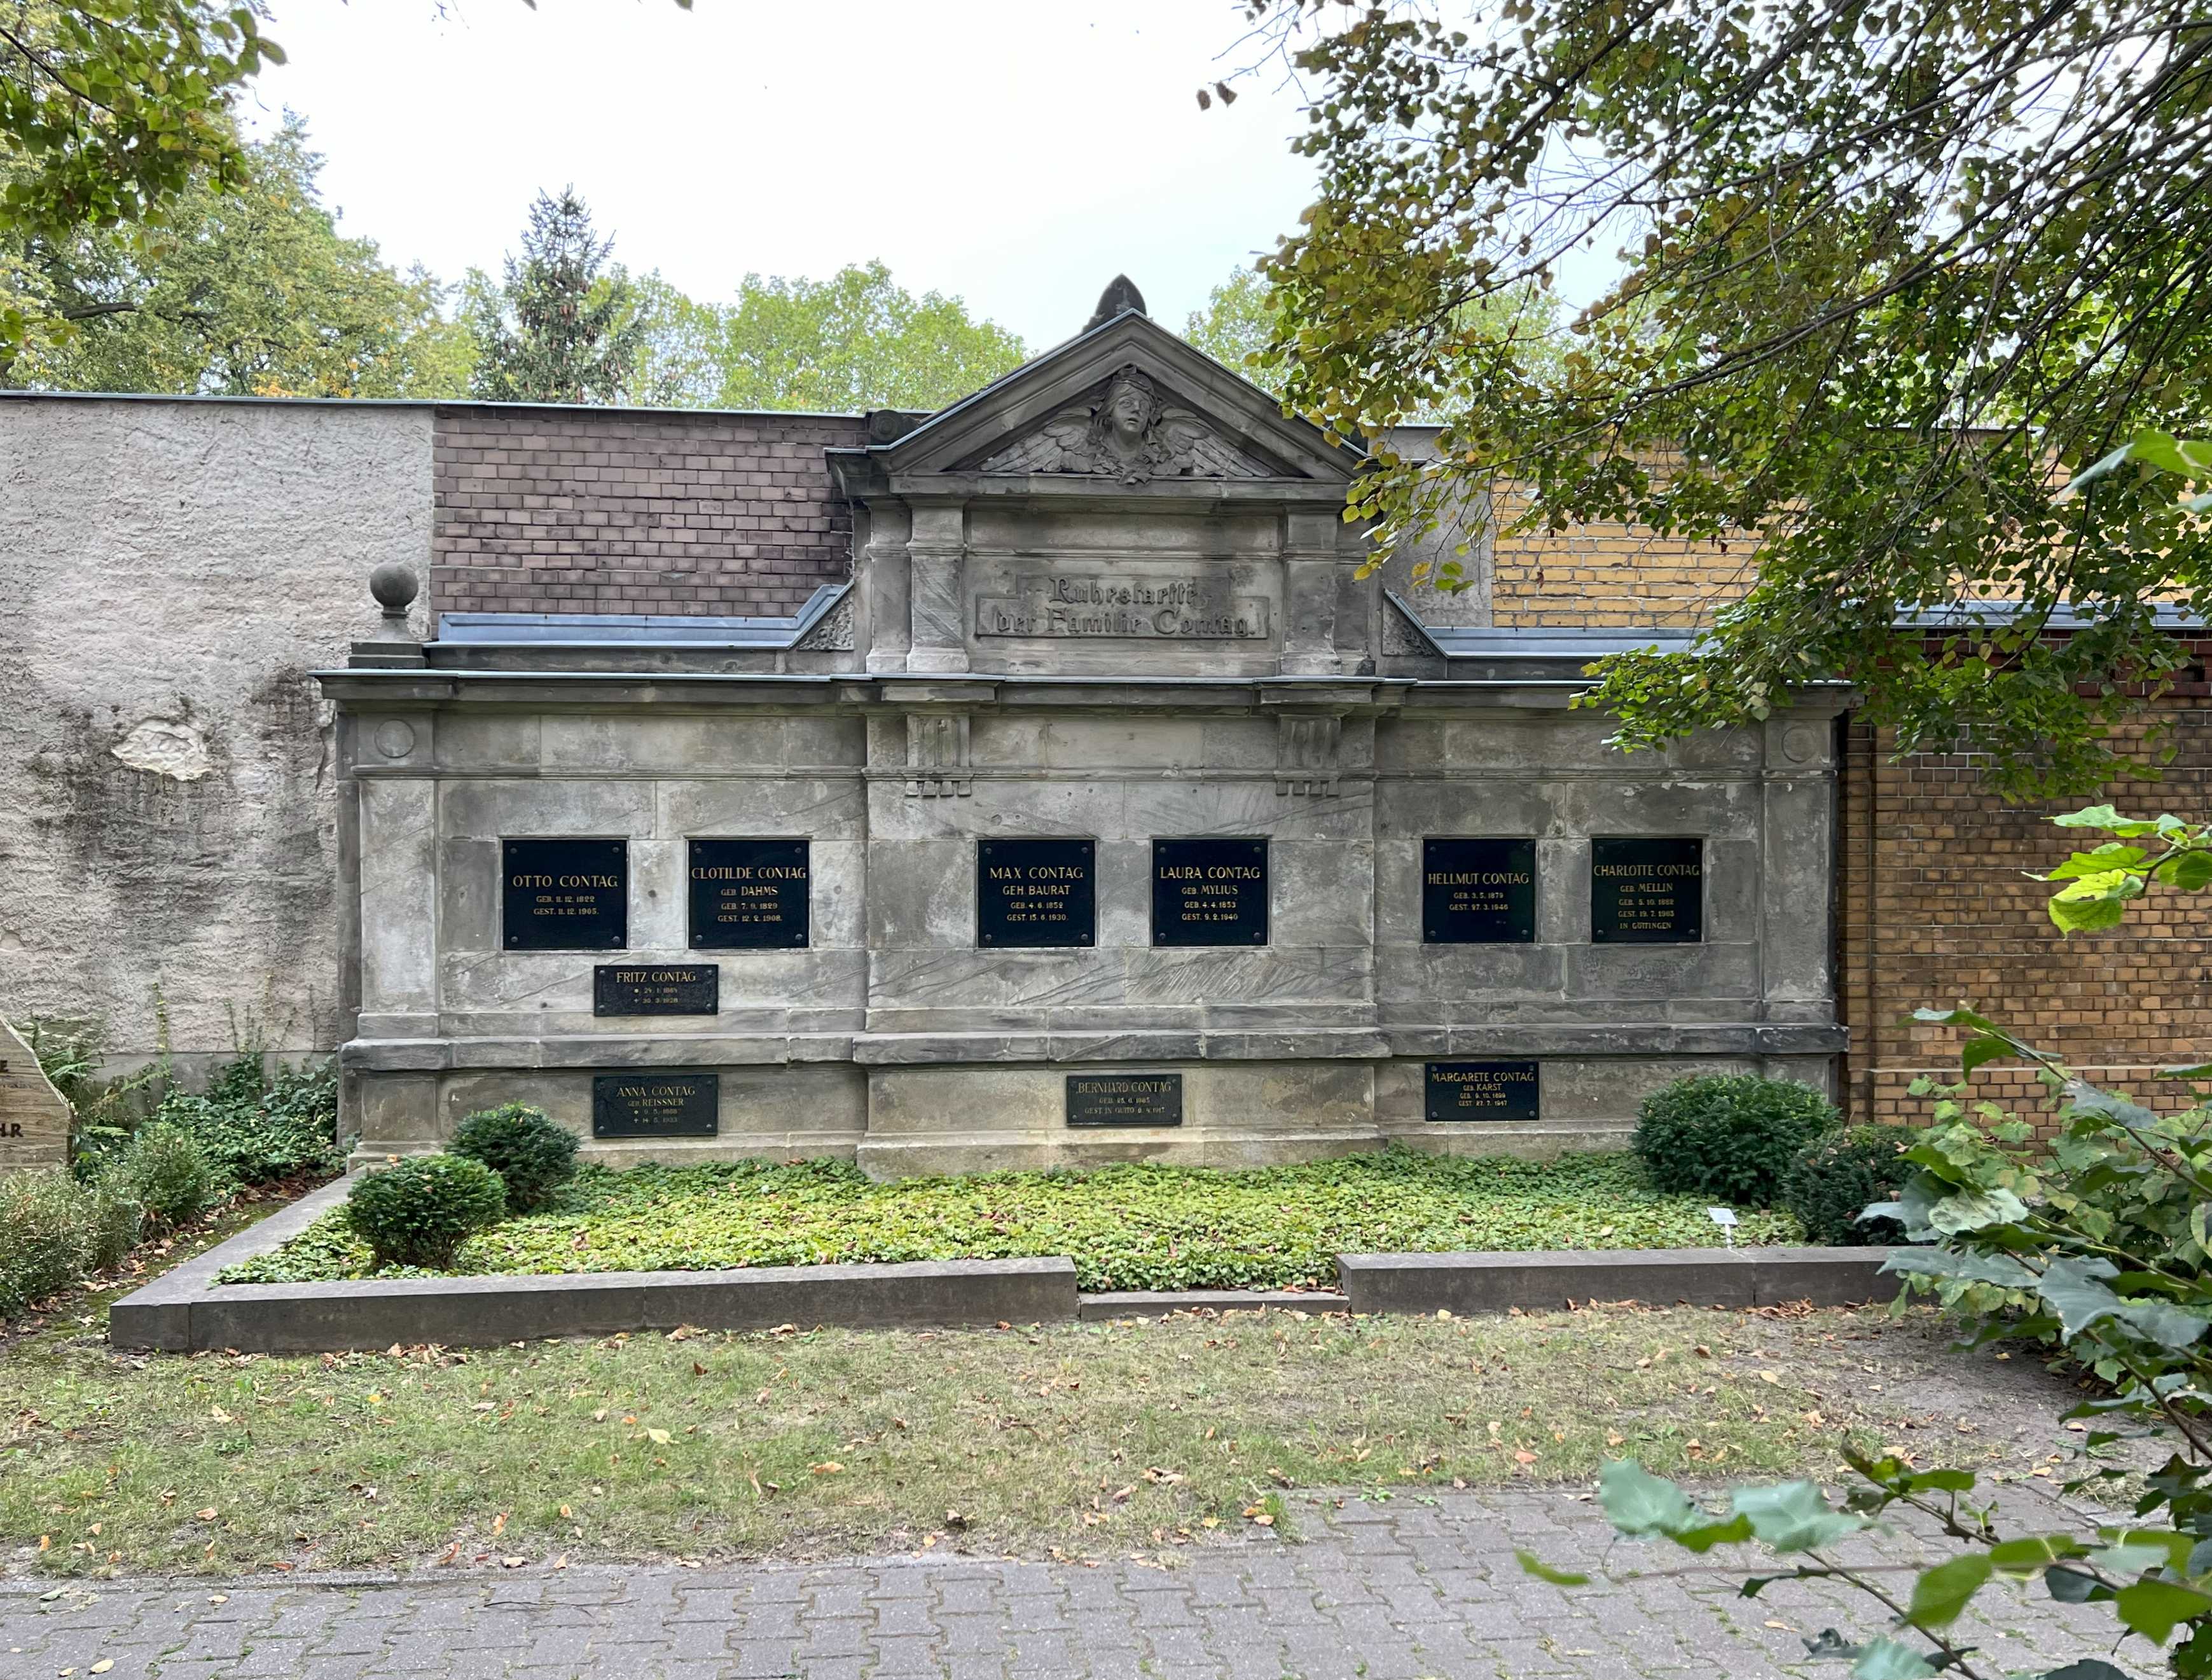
(34, 1120)
(1655, 1277)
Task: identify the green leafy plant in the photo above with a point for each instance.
(1829, 1183)
(47, 1236)
(532, 1155)
(165, 1172)
(2099, 882)
(117, 1223)
(419, 1211)
(1728, 1135)
(253, 1129)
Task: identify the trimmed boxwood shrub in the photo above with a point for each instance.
(46, 1235)
(419, 1211)
(165, 1172)
(1833, 1178)
(1731, 1137)
(532, 1155)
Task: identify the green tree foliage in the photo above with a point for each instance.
(1885, 276)
(1237, 328)
(249, 290)
(562, 326)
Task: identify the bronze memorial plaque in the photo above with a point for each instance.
(1209, 892)
(655, 988)
(1647, 892)
(1482, 1090)
(1125, 1099)
(1478, 892)
(654, 1104)
(1035, 892)
(564, 895)
(749, 895)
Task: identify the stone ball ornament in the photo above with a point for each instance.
(394, 585)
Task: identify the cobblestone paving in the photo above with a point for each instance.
(1389, 1591)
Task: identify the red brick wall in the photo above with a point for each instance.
(634, 511)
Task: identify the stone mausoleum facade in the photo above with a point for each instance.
(1102, 811)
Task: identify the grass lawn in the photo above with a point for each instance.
(1127, 1227)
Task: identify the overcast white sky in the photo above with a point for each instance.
(1017, 153)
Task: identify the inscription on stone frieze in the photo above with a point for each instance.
(626, 988)
(749, 894)
(1035, 893)
(1127, 608)
(1478, 892)
(656, 1105)
(1209, 892)
(1481, 1090)
(1125, 1099)
(1647, 892)
(564, 895)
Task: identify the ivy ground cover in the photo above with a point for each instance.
(1126, 1227)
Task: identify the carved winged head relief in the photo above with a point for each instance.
(1131, 434)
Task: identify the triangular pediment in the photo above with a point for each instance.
(1125, 403)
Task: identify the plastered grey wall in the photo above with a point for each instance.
(169, 573)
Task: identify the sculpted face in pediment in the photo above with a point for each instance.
(1127, 432)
